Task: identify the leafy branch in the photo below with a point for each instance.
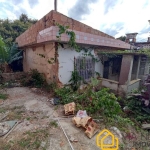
(72, 41)
(71, 34)
(50, 61)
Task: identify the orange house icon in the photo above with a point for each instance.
(101, 140)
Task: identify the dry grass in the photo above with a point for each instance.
(15, 113)
(28, 141)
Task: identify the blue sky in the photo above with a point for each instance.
(114, 17)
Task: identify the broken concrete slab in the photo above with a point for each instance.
(145, 126)
(6, 126)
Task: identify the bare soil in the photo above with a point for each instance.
(33, 109)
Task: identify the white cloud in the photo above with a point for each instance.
(116, 18)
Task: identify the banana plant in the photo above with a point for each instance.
(8, 55)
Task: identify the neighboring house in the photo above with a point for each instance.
(119, 74)
(131, 38)
(145, 61)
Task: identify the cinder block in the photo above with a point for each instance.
(69, 20)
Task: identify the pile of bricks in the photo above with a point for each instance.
(29, 37)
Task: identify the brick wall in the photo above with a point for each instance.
(12, 76)
(29, 37)
(33, 61)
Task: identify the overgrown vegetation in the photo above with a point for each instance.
(36, 79)
(72, 42)
(102, 102)
(138, 111)
(11, 56)
(75, 80)
(9, 52)
(96, 103)
(71, 34)
(112, 54)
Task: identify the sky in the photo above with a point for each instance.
(114, 17)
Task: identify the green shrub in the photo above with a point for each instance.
(138, 112)
(64, 94)
(34, 79)
(3, 96)
(97, 103)
(102, 101)
(37, 78)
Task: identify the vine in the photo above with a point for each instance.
(72, 41)
(50, 61)
(71, 34)
(119, 52)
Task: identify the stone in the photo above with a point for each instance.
(27, 123)
(43, 144)
(117, 131)
(72, 139)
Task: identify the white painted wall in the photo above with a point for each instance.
(66, 63)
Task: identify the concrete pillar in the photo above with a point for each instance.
(133, 40)
(125, 74)
(126, 70)
(146, 71)
(138, 67)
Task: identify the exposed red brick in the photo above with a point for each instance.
(29, 36)
(64, 18)
(92, 31)
(88, 30)
(69, 20)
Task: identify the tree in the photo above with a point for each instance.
(10, 30)
(24, 18)
(122, 38)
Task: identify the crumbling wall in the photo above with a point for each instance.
(12, 76)
(32, 60)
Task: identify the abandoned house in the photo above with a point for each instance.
(120, 73)
(144, 68)
(131, 38)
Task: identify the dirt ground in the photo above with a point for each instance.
(38, 112)
(34, 111)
